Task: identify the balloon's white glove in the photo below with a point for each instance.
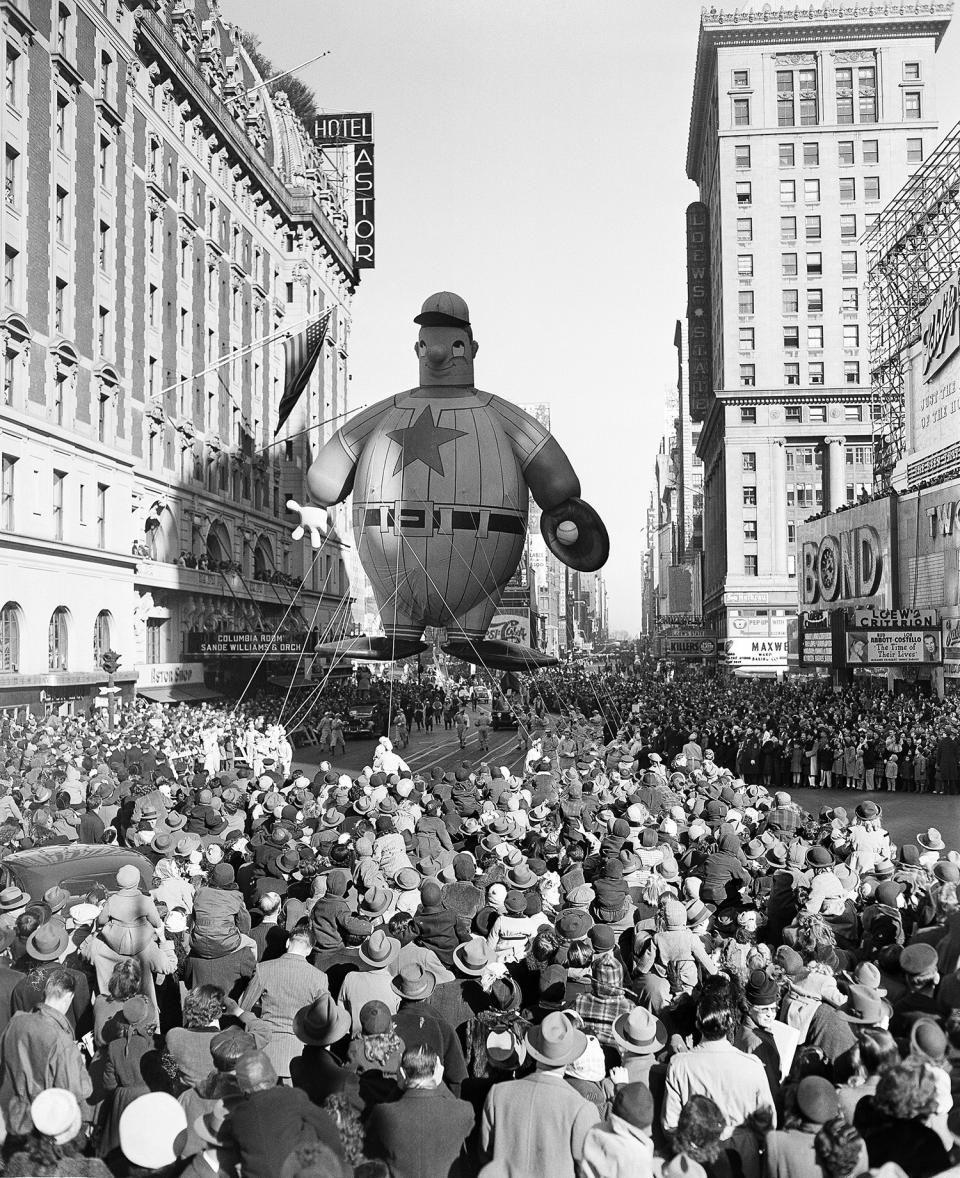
(312, 519)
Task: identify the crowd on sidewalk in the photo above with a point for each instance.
(637, 957)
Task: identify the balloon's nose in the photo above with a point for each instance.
(437, 354)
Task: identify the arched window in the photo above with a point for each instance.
(10, 639)
(218, 544)
(101, 635)
(57, 638)
(262, 559)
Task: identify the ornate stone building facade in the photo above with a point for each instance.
(162, 211)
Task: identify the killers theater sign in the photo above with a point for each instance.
(342, 131)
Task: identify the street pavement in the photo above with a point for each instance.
(904, 815)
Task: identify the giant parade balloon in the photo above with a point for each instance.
(441, 476)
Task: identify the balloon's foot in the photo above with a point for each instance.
(501, 656)
(373, 650)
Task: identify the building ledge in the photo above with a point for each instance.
(19, 542)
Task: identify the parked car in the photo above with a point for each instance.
(361, 721)
(76, 868)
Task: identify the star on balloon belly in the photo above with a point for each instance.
(422, 440)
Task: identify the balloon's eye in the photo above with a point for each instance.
(458, 347)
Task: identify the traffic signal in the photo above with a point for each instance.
(110, 661)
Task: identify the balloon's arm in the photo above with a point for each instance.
(330, 477)
(550, 477)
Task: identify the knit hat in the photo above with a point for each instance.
(817, 1099)
(634, 1104)
(675, 915)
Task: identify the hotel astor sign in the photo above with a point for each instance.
(342, 131)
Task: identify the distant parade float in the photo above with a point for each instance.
(440, 476)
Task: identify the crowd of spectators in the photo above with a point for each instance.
(631, 958)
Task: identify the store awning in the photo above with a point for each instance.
(179, 693)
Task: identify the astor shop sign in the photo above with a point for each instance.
(840, 567)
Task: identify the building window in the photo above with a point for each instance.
(814, 263)
(60, 306)
(815, 300)
(748, 415)
(848, 225)
(105, 161)
(57, 640)
(9, 639)
(848, 261)
(154, 651)
(60, 210)
(58, 480)
(871, 151)
(749, 529)
(788, 228)
(791, 336)
(7, 480)
(851, 371)
(852, 412)
(815, 371)
(797, 88)
(106, 76)
(746, 339)
(812, 228)
(744, 190)
(848, 188)
(788, 192)
(103, 331)
(788, 265)
(11, 267)
(745, 302)
(817, 413)
(791, 373)
(741, 155)
(103, 416)
(101, 515)
(741, 78)
(11, 177)
(811, 154)
(741, 112)
(749, 496)
(851, 298)
(867, 92)
(748, 376)
(749, 460)
(745, 265)
(845, 153)
(911, 71)
(786, 155)
(814, 336)
(103, 247)
(871, 188)
(12, 76)
(791, 304)
(791, 532)
(811, 192)
(60, 119)
(851, 335)
(184, 333)
(59, 389)
(844, 89)
(9, 377)
(911, 104)
(750, 568)
(793, 414)
(101, 637)
(858, 455)
(63, 29)
(914, 151)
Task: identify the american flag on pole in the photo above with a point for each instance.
(300, 353)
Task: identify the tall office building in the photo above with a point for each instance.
(162, 210)
(805, 121)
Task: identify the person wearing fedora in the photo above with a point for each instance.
(47, 947)
(323, 1028)
(538, 1123)
(417, 1022)
(372, 981)
(424, 1133)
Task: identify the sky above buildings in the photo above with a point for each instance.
(530, 155)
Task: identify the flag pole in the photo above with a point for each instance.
(273, 337)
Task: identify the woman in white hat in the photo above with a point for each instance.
(55, 1147)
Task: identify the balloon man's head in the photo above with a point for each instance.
(445, 347)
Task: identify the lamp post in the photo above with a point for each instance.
(110, 662)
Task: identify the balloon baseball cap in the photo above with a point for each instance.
(444, 309)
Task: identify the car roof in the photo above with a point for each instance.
(76, 867)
